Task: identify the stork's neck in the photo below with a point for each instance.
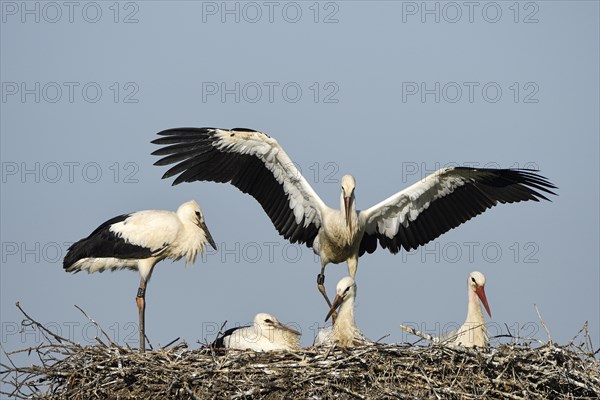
(353, 217)
(345, 329)
(474, 312)
(190, 241)
(473, 332)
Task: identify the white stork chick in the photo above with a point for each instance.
(256, 164)
(344, 332)
(266, 334)
(139, 241)
(473, 332)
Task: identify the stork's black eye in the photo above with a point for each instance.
(473, 279)
(198, 214)
(346, 291)
(268, 321)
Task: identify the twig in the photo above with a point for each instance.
(189, 391)
(420, 334)
(381, 338)
(348, 391)
(97, 326)
(543, 324)
(42, 327)
(170, 343)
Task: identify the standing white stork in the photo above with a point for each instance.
(266, 334)
(256, 164)
(139, 241)
(473, 332)
(344, 331)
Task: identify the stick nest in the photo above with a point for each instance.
(522, 370)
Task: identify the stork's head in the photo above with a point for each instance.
(190, 211)
(267, 323)
(345, 289)
(348, 185)
(477, 284)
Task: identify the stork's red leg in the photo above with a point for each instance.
(321, 287)
(141, 304)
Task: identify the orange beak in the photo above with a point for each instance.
(336, 303)
(481, 294)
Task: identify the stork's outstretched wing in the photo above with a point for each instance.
(444, 200)
(254, 163)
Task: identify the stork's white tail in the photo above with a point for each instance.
(101, 264)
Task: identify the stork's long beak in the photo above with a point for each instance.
(347, 201)
(481, 294)
(287, 329)
(203, 226)
(336, 303)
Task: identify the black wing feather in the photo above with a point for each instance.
(102, 242)
(196, 158)
(483, 191)
(219, 343)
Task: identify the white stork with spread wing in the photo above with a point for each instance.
(256, 164)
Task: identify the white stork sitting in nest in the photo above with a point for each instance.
(473, 332)
(265, 334)
(344, 332)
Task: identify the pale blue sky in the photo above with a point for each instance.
(346, 98)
